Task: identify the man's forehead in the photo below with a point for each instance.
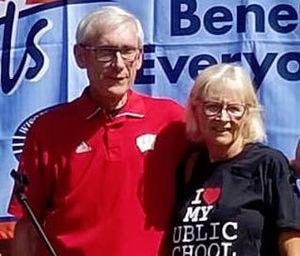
(119, 37)
(105, 28)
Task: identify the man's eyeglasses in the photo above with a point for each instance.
(234, 110)
(108, 54)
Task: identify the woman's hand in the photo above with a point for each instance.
(289, 242)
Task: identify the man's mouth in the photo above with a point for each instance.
(116, 77)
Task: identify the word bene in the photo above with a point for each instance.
(221, 19)
(199, 236)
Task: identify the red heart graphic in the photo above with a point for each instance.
(211, 195)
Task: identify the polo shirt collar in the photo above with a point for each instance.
(133, 108)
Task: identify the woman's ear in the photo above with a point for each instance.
(79, 56)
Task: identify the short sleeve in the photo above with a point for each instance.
(282, 193)
(33, 167)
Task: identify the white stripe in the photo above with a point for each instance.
(130, 114)
(94, 113)
(19, 137)
(18, 144)
(18, 151)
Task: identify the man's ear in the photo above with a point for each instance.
(140, 60)
(79, 56)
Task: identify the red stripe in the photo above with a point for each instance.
(40, 1)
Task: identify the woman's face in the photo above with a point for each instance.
(221, 115)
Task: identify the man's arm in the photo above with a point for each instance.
(289, 243)
(26, 240)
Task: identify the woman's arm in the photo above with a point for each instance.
(289, 242)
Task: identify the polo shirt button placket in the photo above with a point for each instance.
(114, 141)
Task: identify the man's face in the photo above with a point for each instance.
(111, 61)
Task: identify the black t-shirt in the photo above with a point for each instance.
(236, 207)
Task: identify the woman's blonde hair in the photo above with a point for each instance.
(216, 76)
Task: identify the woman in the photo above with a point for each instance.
(238, 196)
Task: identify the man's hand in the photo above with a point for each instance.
(295, 163)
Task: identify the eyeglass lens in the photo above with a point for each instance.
(107, 54)
(235, 110)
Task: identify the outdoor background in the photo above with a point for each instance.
(182, 37)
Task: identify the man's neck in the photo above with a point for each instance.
(120, 103)
(110, 103)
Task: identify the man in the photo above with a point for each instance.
(85, 160)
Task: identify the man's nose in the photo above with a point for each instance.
(118, 61)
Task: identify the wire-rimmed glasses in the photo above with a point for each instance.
(213, 108)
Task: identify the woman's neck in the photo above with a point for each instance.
(220, 153)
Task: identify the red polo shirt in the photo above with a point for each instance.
(86, 175)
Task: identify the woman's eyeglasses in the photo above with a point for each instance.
(234, 110)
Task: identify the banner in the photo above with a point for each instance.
(182, 37)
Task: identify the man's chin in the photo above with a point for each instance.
(118, 89)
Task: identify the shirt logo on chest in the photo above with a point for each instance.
(146, 142)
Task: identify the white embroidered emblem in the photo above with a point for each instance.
(83, 147)
(146, 142)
